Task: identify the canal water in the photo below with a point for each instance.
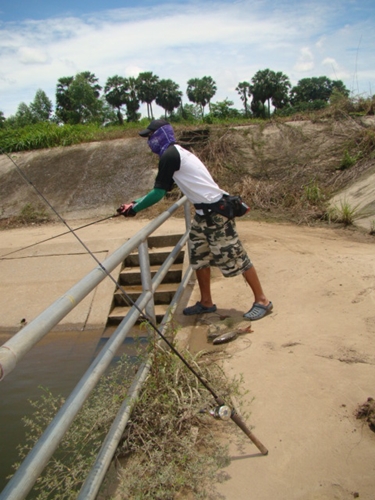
(57, 362)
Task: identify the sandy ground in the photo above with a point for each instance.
(307, 367)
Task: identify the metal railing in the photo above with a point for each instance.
(14, 349)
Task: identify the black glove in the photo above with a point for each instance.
(127, 210)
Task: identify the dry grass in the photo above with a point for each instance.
(289, 170)
(172, 445)
(284, 169)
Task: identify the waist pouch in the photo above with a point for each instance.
(229, 206)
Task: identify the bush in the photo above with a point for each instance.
(29, 215)
(170, 445)
(347, 161)
(344, 213)
(301, 107)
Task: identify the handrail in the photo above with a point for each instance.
(30, 469)
(91, 486)
(14, 349)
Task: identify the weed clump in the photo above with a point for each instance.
(344, 213)
(29, 215)
(172, 445)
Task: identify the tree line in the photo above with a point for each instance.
(80, 99)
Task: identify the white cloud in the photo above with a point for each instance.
(28, 55)
(329, 61)
(335, 70)
(305, 60)
(320, 44)
(132, 71)
(229, 41)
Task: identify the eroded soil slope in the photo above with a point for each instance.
(272, 165)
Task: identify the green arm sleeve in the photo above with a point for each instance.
(149, 199)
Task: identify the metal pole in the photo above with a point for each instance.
(144, 263)
(98, 471)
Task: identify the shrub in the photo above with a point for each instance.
(170, 445)
(347, 161)
(344, 213)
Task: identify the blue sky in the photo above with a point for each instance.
(42, 41)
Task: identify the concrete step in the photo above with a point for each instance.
(164, 240)
(132, 275)
(118, 313)
(156, 256)
(130, 278)
(163, 295)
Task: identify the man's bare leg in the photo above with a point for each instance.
(262, 306)
(204, 282)
(205, 304)
(252, 279)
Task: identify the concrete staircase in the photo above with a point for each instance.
(130, 278)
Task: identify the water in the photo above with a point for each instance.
(57, 362)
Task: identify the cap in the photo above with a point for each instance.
(154, 125)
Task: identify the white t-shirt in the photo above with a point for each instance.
(189, 173)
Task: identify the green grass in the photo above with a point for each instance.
(29, 215)
(344, 213)
(50, 135)
(312, 193)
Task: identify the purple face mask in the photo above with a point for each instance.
(161, 139)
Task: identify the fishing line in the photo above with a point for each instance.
(223, 411)
(126, 296)
(57, 236)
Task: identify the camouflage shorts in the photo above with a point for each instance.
(214, 242)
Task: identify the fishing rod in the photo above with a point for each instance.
(223, 411)
(57, 236)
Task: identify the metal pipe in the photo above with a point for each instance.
(163, 270)
(98, 471)
(144, 263)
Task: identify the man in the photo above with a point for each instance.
(214, 239)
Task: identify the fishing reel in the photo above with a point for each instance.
(222, 412)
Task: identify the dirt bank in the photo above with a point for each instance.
(284, 170)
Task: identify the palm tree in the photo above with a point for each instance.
(280, 91)
(267, 85)
(243, 88)
(132, 100)
(261, 87)
(169, 96)
(201, 91)
(147, 85)
(115, 92)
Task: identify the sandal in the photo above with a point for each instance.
(198, 308)
(258, 311)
